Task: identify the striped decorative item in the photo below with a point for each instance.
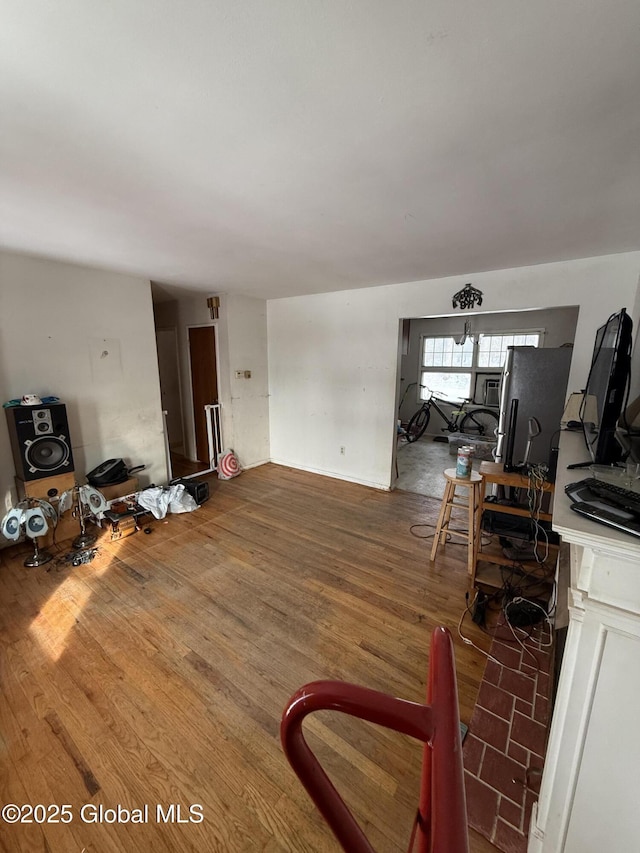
(228, 465)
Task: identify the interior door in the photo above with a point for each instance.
(204, 383)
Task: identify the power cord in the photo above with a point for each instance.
(535, 496)
(448, 538)
(469, 642)
(417, 535)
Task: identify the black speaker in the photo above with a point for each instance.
(40, 440)
(198, 489)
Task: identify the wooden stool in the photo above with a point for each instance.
(473, 485)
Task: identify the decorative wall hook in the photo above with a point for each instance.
(467, 297)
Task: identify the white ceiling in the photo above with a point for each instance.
(275, 147)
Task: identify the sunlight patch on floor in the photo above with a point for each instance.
(59, 614)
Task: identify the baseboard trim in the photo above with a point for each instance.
(333, 474)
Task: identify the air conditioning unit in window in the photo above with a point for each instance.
(492, 392)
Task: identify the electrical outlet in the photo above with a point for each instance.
(342, 450)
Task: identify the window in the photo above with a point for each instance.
(446, 367)
(492, 349)
(450, 369)
(445, 352)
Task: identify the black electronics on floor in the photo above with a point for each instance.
(40, 440)
(522, 613)
(113, 472)
(198, 489)
(517, 527)
(109, 473)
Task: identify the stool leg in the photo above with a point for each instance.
(472, 527)
(441, 518)
(479, 494)
(450, 500)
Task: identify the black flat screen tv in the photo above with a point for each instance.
(608, 382)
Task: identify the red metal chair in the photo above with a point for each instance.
(441, 820)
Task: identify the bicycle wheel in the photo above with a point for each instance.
(418, 424)
(480, 422)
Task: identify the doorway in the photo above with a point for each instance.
(419, 465)
(204, 385)
(187, 368)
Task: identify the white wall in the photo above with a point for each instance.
(332, 378)
(87, 337)
(243, 339)
(333, 358)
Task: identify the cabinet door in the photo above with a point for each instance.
(605, 812)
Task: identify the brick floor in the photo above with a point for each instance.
(507, 735)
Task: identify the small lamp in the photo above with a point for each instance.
(30, 514)
(90, 503)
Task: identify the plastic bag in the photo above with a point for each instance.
(172, 499)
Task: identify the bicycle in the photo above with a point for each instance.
(479, 421)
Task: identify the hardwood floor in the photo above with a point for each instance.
(157, 673)
(183, 467)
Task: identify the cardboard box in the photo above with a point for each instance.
(120, 489)
(50, 489)
(124, 527)
(47, 488)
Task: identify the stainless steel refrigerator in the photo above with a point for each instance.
(537, 378)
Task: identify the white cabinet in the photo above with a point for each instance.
(590, 791)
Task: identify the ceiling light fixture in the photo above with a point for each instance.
(466, 334)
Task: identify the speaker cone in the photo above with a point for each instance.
(46, 454)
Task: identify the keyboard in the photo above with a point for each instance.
(608, 492)
(606, 503)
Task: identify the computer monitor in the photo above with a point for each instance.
(608, 382)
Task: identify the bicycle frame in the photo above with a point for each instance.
(463, 417)
(451, 424)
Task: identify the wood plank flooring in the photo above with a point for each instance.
(157, 674)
